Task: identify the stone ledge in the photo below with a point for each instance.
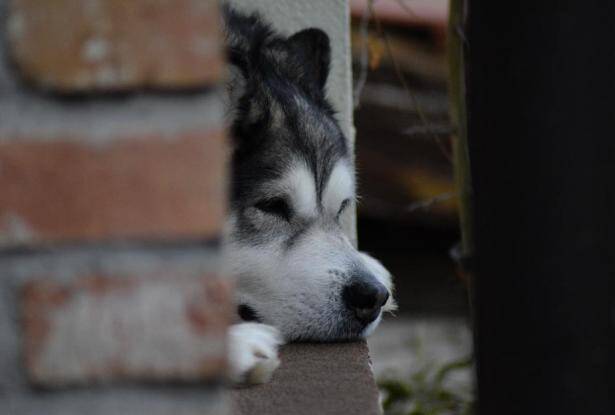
(315, 379)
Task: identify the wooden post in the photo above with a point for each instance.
(541, 133)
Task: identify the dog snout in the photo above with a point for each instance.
(365, 297)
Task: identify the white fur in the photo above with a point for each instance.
(286, 288)
(340, 186)
(253, 352)
(253, 347)
(299, 184)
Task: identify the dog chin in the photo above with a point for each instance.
(369, 329)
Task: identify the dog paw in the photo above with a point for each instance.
(253, 353)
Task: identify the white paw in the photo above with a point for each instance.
(253, 352)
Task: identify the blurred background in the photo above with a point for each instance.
(407, 214)
(110, 114)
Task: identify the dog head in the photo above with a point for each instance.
(292, 183)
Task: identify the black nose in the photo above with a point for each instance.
(365, 297)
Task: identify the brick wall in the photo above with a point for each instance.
(112, 198)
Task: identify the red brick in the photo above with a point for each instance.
(77, 45)
(150, 187)
(125, 327)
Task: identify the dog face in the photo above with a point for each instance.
(292, 182)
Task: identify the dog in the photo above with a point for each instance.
(299, 278)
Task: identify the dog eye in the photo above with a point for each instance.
(275, 206)
(343, 207)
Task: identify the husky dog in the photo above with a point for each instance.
(299, 278)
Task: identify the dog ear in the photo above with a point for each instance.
(313, 48)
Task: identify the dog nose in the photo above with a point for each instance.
(365, 299)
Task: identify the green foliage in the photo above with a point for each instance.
(425, 392)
